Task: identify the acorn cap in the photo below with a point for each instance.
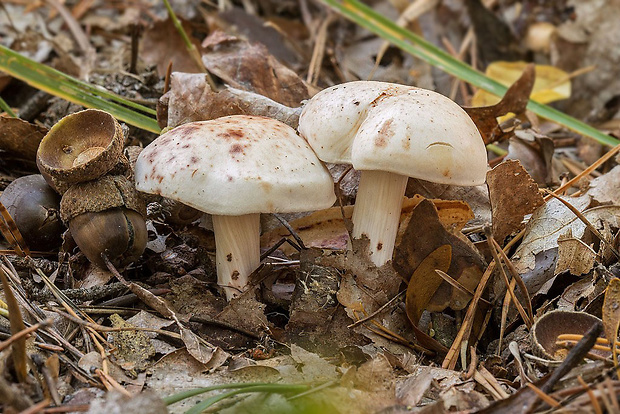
(552, 324)
(81, 147)
(396, 128)
(109, 191)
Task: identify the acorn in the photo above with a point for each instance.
(106, 216)
(34, 207)
(80, 147)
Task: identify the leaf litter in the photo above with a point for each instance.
(320, 313)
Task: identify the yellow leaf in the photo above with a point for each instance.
(551, 84)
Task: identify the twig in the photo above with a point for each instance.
(378, 311)
(585, 221)
(290, 230)
(24, 332)
(587, 171)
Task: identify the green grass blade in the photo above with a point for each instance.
(272, 388)
(411, 43)
(190, 393)
(56, 83)
(6, 108)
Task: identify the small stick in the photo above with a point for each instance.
(585, 221)
(378, 311)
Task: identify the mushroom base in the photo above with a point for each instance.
(237, 250)
(377, 212)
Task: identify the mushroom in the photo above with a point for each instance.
(235, 168)
(392, 132)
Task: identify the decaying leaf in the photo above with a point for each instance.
(536, 256)
(245, 312)
(425, 281)
(605, 189)
(325, 229)
(466, 266)
(163, 44)
(250, 67)
(20, 139)
(513, 195)
(422, 286)
(574, 255)
(551, 84)
(535, 152)
(514, 101)
(611, 313)
(133, 348)
(190, 99)
(317, 321)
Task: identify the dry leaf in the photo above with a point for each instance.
(20, 139)
(325, 229)
(611, 313)
(423, 235)
(513, 195)
(605, 189)
(425, 281)
(162, 44)
(190, 99)
(535, 154)
(422, 286)
(574, 255)
(551, 84)
(514, 101)
(250, 67)
(535, 258)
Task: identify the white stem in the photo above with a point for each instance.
(237, 250)
(377, 212)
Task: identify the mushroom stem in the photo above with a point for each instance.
(377, 212)
(237, 250)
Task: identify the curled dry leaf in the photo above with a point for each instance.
(423, 235)
(513, 195)
(515, 100)
(535, 152)
(20, 139)
(250, 66)
(190, 99)
(535, 258)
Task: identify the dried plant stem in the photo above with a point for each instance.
(587, 171)
(191, 48)
(589, 225)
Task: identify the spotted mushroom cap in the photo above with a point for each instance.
(396, 128)
(236, 165)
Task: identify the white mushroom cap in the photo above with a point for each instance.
(236, 165)
(396, 128)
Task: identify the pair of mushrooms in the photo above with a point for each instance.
(239, 166)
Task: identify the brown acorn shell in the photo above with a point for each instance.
(81, 147)
(109, 191)
(120, 233)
